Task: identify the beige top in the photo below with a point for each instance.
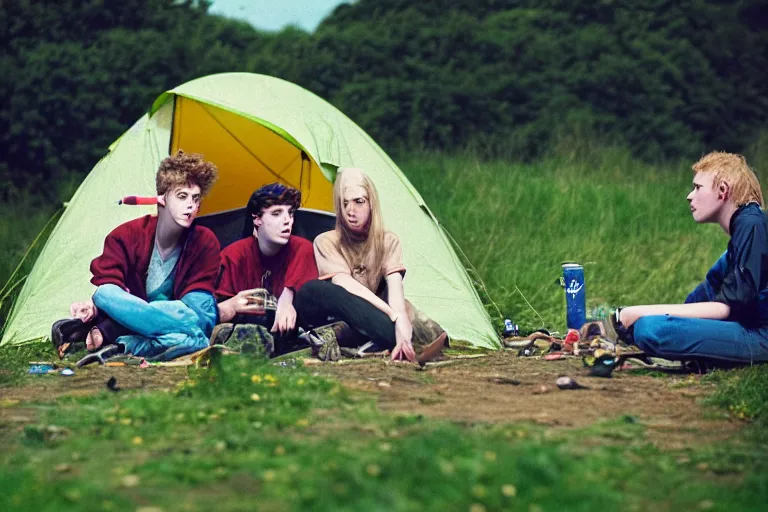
(330, 261)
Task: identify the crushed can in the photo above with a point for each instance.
(575, 295)
(41, 368)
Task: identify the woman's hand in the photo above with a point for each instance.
(403, 335)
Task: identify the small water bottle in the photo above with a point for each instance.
(510, 329)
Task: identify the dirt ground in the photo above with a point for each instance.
(483, 390)
(498, 388)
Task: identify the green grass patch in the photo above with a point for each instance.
(247, 434)
(14, 361)
(743, 392)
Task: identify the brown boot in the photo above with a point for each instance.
(433, 350)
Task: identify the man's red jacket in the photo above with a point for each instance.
(244, 267)
(128, 250)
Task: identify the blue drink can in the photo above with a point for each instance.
(575, 295)
(510, 329)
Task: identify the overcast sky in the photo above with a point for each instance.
(276, 14)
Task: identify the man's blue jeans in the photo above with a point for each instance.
(672, 337)
(164, 329)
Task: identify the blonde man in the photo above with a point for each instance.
(726, 317)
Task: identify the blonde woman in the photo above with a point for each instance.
(361, 277)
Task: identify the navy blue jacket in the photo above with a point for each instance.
(740, 277)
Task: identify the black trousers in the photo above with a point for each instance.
(320, 302)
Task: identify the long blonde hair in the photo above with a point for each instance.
(732, 169)
(354, 248)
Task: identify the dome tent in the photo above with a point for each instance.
(257, 129)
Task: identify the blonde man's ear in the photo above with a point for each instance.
(724, 191)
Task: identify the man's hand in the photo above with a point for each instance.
(403, 334)
(285, 315)
(85, 311)
(285, 318)
(242, 303)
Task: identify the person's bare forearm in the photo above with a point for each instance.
(707, 310)
(396, 294)
(352, 286)
(286, 298)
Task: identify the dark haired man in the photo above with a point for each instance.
(271, 258)
(155, 278)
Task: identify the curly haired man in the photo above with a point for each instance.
(155, 278)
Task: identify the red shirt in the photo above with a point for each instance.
(243, 266)
(128, 250)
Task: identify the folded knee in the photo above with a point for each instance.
(105, 294)
(651, 333)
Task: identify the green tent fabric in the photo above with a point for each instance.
(256, 129)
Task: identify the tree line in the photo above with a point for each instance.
(665, 78)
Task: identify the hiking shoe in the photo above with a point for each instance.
(251, 339)
(324, 341)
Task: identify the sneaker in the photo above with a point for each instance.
(100, 356)
(368, 349)
(68, 335)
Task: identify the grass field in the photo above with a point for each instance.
(250, 435)
(245, 435)
(628, 224)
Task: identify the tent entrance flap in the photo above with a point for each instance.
(248, 156)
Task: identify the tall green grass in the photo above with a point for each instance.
(22, 219)
(627, 222)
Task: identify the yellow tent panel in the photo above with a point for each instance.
(248, 155)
